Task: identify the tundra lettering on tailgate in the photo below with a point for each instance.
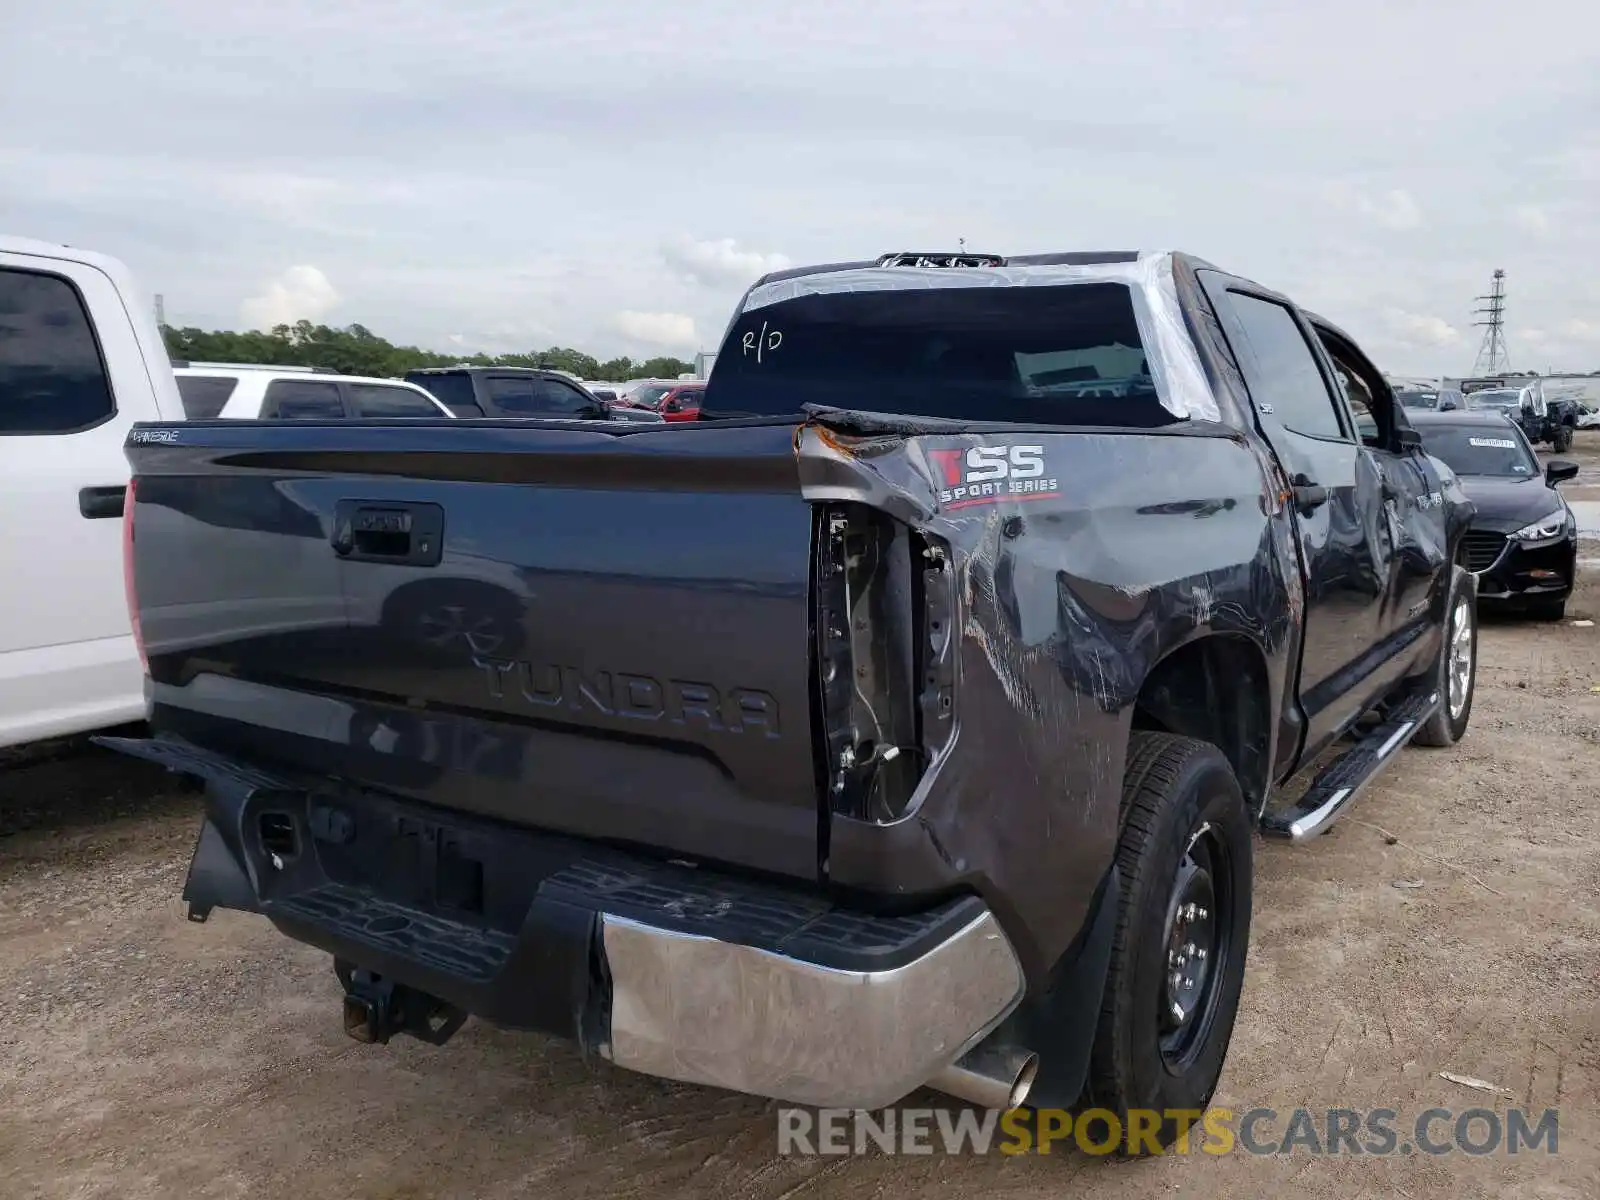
(633, 697)
(987, 474)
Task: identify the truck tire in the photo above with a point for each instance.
(1178, 953)
(1449, 723)
(1562, 441)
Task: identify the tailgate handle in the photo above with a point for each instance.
(397, 532)
(102, 502)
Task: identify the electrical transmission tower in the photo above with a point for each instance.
(1493, 357)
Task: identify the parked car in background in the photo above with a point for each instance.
(631, 412)
(1523, 541)
(81, 360)
(1435, 399)
(1561, 416)
(245, 392)
(1528, 405)
(675, 400)
(630, 392)
(510, 392)
(1516, 404)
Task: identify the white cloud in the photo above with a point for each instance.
(1534, 219)
(719, 262)
(1580, 330)
(1420, 329)
(300, 294)
(1394, 209)
(1579, 162)
(673, 330)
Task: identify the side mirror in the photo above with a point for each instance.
(1407, 440)
(1559, 470)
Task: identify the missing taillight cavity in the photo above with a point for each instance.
(936, 646)
(868, 605)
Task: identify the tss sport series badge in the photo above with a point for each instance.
(987, 474)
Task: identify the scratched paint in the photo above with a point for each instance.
(1067, 602)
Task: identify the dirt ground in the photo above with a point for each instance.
(142, 1056)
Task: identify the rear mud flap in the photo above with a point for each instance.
(217, 875)
(216, 880)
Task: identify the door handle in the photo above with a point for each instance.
(1308, 496)
(98, 503)
(399, 532)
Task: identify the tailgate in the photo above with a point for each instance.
(599, 634)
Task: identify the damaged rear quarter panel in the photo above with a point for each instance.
(1067, 596)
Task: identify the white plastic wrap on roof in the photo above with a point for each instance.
(1180, 380)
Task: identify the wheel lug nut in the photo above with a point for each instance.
(1200, 954)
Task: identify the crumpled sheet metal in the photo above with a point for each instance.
(1064, 603)
(1180, 379)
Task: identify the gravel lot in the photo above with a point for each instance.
(143, 1056)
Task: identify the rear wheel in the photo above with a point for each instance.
(1457, 671)
(1177, 961)
(1562, 442)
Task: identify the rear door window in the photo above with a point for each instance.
(513, 395)
(560, 399)
(535, 396)
(205, 396)
(303, 400)
(453, 389)
(1281, 369)
(379, 400)
(52, 376)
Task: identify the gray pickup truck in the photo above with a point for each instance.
(908, 719)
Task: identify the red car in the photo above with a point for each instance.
(674, 401)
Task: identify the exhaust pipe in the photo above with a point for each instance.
(990, 1076)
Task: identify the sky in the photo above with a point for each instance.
(610, 176)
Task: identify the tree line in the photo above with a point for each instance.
(356, 350)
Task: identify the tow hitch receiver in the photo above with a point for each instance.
(375, 1009)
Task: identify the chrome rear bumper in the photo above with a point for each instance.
(704, 1011)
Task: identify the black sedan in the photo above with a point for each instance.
(1523, 542)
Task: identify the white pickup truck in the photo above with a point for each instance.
(81, 359)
